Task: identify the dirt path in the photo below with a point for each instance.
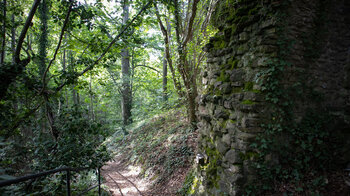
(122, 179)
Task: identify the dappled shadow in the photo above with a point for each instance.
(122, 179)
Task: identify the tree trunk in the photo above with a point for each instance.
(3, 36)
(75, 95)
(167, 36)
(13, 50)
(126, 88)
(64, 70)
(43, 40)
(186, 68)
(13, 37)
(165, 79)
(92, 113)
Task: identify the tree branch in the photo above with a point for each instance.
(58, 45)
(108, 47)
(148, 68)
(190, 24)
(25, 30)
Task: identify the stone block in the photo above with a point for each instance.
(241, 145)
(237, 84)
(227, 104)
(237, 97)
(253, 96)
(267, 23)
(226, 88)
(226, 138)
(243, 36)
(232, 156)
(237, 75)
(221, 146)
(250, 122)
(248, 107)
(247, 137)
(220, 113)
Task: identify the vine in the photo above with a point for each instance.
(292, 149)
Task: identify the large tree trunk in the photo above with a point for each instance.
(43, 41)
(126, 87)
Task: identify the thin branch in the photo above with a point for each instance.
(108, 47)
(148, 67)
(25, 116)
(190, 24)
(25, 30)
(58, 45)
(160, 22)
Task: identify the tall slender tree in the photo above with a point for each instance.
(126, 86)
(191, 19)
(3, 30)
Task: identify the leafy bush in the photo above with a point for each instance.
(79, 144)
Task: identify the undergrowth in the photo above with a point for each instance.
(164, 147)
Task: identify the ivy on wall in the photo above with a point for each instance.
(294, 147)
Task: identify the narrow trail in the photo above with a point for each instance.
(122, 179)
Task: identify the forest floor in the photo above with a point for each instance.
(153, 159)
(122, 178)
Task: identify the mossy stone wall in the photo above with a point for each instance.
(232, 105)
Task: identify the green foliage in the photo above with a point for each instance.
(162, 145)
(290, 151)
(79, 143)
(186, 188)
(212, 166)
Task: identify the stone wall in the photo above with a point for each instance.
(232, 105)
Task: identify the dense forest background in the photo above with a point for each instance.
(74, 72)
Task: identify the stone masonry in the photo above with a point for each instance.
(232, 105)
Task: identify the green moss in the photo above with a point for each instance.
(236, 90)
(243, 19)
(232, 62)
(248, 86)
(233, 28)
(248, 155)
(190, 184)
(256, 91)
(242, 48)
(248, 102)
(223, 77)
(212, 167)
(219, 44)
(232, 121)
(223, 124)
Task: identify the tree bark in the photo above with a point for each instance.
(186, 68)
(3, 36)
(92, 113)
(9, 73)
(166, 33)
(165, 79)
(13, 37)
(126, 87)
